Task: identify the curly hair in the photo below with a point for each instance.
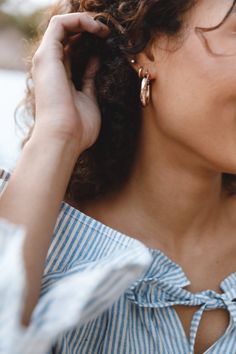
(133, 23)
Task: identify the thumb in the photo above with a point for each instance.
(88, 86)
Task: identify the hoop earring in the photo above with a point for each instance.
(145, 93)
(140, 72)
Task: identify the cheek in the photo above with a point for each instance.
(195, 101)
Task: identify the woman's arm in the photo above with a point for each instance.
(32, 198)
(67, 123)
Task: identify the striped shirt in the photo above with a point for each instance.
(102, 292)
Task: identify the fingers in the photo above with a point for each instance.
(88, 86)
(54, 49)
(61, 25)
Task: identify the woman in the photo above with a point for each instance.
(155, 162)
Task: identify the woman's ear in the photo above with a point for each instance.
(145, 59)
(154, 55)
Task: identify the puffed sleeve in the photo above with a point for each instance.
(12, 284)
(69, 297)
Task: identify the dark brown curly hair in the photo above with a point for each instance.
(107, 164)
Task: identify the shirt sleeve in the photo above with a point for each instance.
(68, 299)
(4, 178)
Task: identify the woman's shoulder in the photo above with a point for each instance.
(87, 263)
(79, 238)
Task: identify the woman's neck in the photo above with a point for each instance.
(170, 197)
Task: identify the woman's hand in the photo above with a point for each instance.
(67, 122)
(62, 112)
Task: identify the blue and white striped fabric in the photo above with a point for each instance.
(103, 293)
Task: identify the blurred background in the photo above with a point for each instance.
(19, 20)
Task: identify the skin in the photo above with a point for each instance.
(67, 123)
(187, 141)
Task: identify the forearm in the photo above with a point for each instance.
(32, 198)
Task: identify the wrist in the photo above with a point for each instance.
(51, 156)
(57, 142)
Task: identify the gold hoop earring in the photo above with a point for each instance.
(140, 72)
(145, 93)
